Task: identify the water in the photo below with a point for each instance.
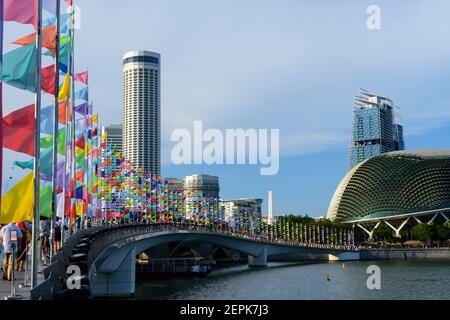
(399, 280)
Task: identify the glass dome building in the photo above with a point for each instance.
(394, 183)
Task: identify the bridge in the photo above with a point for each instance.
(104, 257)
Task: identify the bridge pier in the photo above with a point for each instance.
(259, 260)
(120, 283)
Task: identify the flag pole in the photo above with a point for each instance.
(72, 122)
(72, 69)
(37, 113)
(55, 136)
(1, 99)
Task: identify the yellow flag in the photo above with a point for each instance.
(17, 203)
(64, 92)
(79, 150)
(79, 209)
(95, 118)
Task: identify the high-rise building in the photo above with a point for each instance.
(199, 190)
(142, 110)
(114, 136)
(243, 212)
(376, 128)
(202, 184)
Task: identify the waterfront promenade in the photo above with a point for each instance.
(5, 286)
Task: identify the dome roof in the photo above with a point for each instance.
(394, 183)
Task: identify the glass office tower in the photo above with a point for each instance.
(376, 128)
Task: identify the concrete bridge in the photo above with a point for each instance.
(104, 258)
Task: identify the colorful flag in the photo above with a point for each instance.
(82, 108)
(18, 130)
(48, 39)
(23, 11)
(47, 142)
(82, 77)
(65, 89)
(82, 94)
(17, 203)
(48, 79)
(19, 67)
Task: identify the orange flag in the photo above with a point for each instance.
(48, 39)
(63, 105)
(79, 175)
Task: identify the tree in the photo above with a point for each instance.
(422, 232)
(442, 231)
(383, 233)
(305, 219)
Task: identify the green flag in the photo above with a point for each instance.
(47, 142)
(46, 202)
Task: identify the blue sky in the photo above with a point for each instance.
(288, 65)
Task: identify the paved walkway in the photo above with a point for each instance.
(5, 286)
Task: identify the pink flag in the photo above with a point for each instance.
(22, 11)
(82, 77)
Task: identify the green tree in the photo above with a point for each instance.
(422, 232)
(442, 231)
(305, 219)
(383, 233)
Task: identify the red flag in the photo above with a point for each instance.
(79, 175)
(48, 79)
(18, 130)
(69, 2)
(82, 77)
(80, 142)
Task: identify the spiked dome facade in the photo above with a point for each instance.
(394, 183)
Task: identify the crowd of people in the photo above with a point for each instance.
(15, 239)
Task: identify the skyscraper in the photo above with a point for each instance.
(114, 136)
(198, 187)
(141, 124)
(376, 128)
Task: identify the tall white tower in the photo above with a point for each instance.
(270, 208)
(141, 125)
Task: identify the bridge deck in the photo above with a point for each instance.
(5, 286)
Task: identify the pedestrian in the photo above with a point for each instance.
(1, 246)
(10, 245)
(57, 234)
(22, 250)
(44, 236)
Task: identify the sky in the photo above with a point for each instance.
(273, 64)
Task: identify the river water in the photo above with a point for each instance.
(333, 280)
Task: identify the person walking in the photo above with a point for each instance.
(10, 245)
(22, 250)
(44, 236)
(1, 248)
(57, 234)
